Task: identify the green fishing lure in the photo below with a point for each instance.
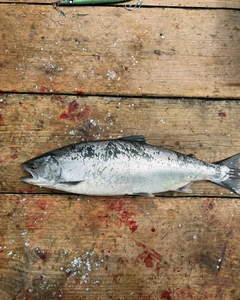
(89, 2)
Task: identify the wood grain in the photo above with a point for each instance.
(34, 124)
(103, 51)
(169, 71)
(171, 248)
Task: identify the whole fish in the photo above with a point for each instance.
(126, 166)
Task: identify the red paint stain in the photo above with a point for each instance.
(14, 91)
(1, 118)
(124, 218)
(141, 244)
(166, 295)
(14, 156)
(22, 105)
(55, 99)
(82, 113)
(211, 205)
(26, 190)
(64, 116)
(153, 229)
(32, 225)
(132, 225)
(116, 278)
(125, 215)
(114, 205)
(43, 89)
(120, 217)
(43, 205)
(79, 92)
(150, 257)
(73, 106)
(86, 111)
(1, 65)
(41, 253)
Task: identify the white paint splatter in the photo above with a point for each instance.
(111, 74)
(81, 266)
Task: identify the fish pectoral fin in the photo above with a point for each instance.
(71, 183)
(185, 189)
(133, 138)
(143, 194)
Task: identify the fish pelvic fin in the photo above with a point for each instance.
(70, 183)
(232, 182)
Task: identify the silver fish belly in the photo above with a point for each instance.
(126, 166)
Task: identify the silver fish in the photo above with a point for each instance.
(126, 166)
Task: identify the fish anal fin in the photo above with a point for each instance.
(143, 194)
(185, 189)
(133, 138)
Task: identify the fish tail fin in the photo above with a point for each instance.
(232, 183)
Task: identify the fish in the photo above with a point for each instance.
(126, 166)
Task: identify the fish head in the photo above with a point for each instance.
(44, 170)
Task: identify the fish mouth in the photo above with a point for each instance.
(32, 175)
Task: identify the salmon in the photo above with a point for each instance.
(126, 166)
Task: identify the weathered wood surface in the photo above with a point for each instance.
(161, 3)
(73, 247)
(34, 124)
(86, 248)
(107, 51)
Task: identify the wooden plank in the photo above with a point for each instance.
(33, 124)
(85, 248)
(164, 3)
(102, 50)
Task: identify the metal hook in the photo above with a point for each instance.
(137, 6)
(62, 15)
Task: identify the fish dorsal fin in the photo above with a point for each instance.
(133, 138)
